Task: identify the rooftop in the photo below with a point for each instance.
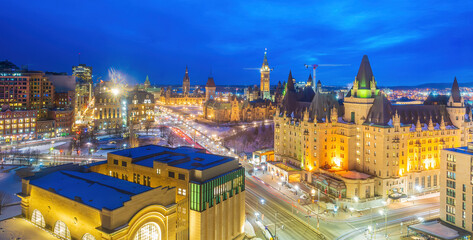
(463, 150)
(440, 230)
(181, 157)
(92, 189)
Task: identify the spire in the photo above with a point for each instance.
(442, 124)
(290, 82)
(309, 80)
(265, 60)
(455, 91)
(365, 74)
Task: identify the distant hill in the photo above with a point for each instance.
(430, 85)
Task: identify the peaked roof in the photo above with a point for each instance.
(365, 74)
(456, 91)
(186, 76)
(381, 112)
(309, 81)
(210, 82)
(290, 83)
(265, 60)
(322, 104)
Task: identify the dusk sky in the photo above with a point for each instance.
(408, 42)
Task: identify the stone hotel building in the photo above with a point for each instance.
(365, 146)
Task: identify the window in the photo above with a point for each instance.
(158, 171)
(37, 218)
(124, 163)
(115, 162)
(182, 176)
(149, 231)
(171, 174)
(88, 236)
(61, 230)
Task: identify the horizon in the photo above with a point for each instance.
(159, 40)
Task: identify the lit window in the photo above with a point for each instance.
(61, 230)
(149, 231)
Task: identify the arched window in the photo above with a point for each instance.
(37, 218)
(149, 231)
(88, 236)
(61, 230)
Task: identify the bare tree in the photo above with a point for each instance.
(162, 130)
(172, 139)
(147, 126)
(5, 198)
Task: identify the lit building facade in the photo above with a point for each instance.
(456, 190)
(168, 97)
(91, 206)
(17, 125)
(83, 72)
(210, 189)
(15, 90)
(41, 91)
(108, 111)
(264, 85)
(140, 106)
(366, 138)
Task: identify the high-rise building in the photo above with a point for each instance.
(41, 91)
(83, 72)
(264, 85)
(456, 191)
(366, 146)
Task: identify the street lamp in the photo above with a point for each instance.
(385, 213)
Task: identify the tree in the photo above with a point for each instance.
(147, 126)
(162, 129)
(5, 198)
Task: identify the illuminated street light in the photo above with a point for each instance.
(115, 91)
(262, 201)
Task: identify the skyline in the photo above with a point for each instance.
(413, 42)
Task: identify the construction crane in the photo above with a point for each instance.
(315, 66)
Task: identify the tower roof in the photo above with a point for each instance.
(309, 80)
(186, 76)
(365, 74)
(265, 60)
(290, 83)
(210, 82)
(456, 91)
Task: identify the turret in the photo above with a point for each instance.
(264, 85)
(334, 115)
(306, 115)
(455, 106)
(442, 124)
(431, 124)
(418, 125)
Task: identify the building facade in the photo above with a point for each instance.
(117, 209)
(108, 111)
(17, 125)
(366, 137)
(210, 189)
(169, 97)
(140, 106)
(15, 90)
(456, 186)
(264, 85)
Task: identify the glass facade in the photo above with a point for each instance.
(217, 188)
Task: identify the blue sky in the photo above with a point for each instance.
(408, 42)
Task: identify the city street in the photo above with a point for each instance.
(293, 220)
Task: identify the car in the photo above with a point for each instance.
(304, 197)
(292, 190)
